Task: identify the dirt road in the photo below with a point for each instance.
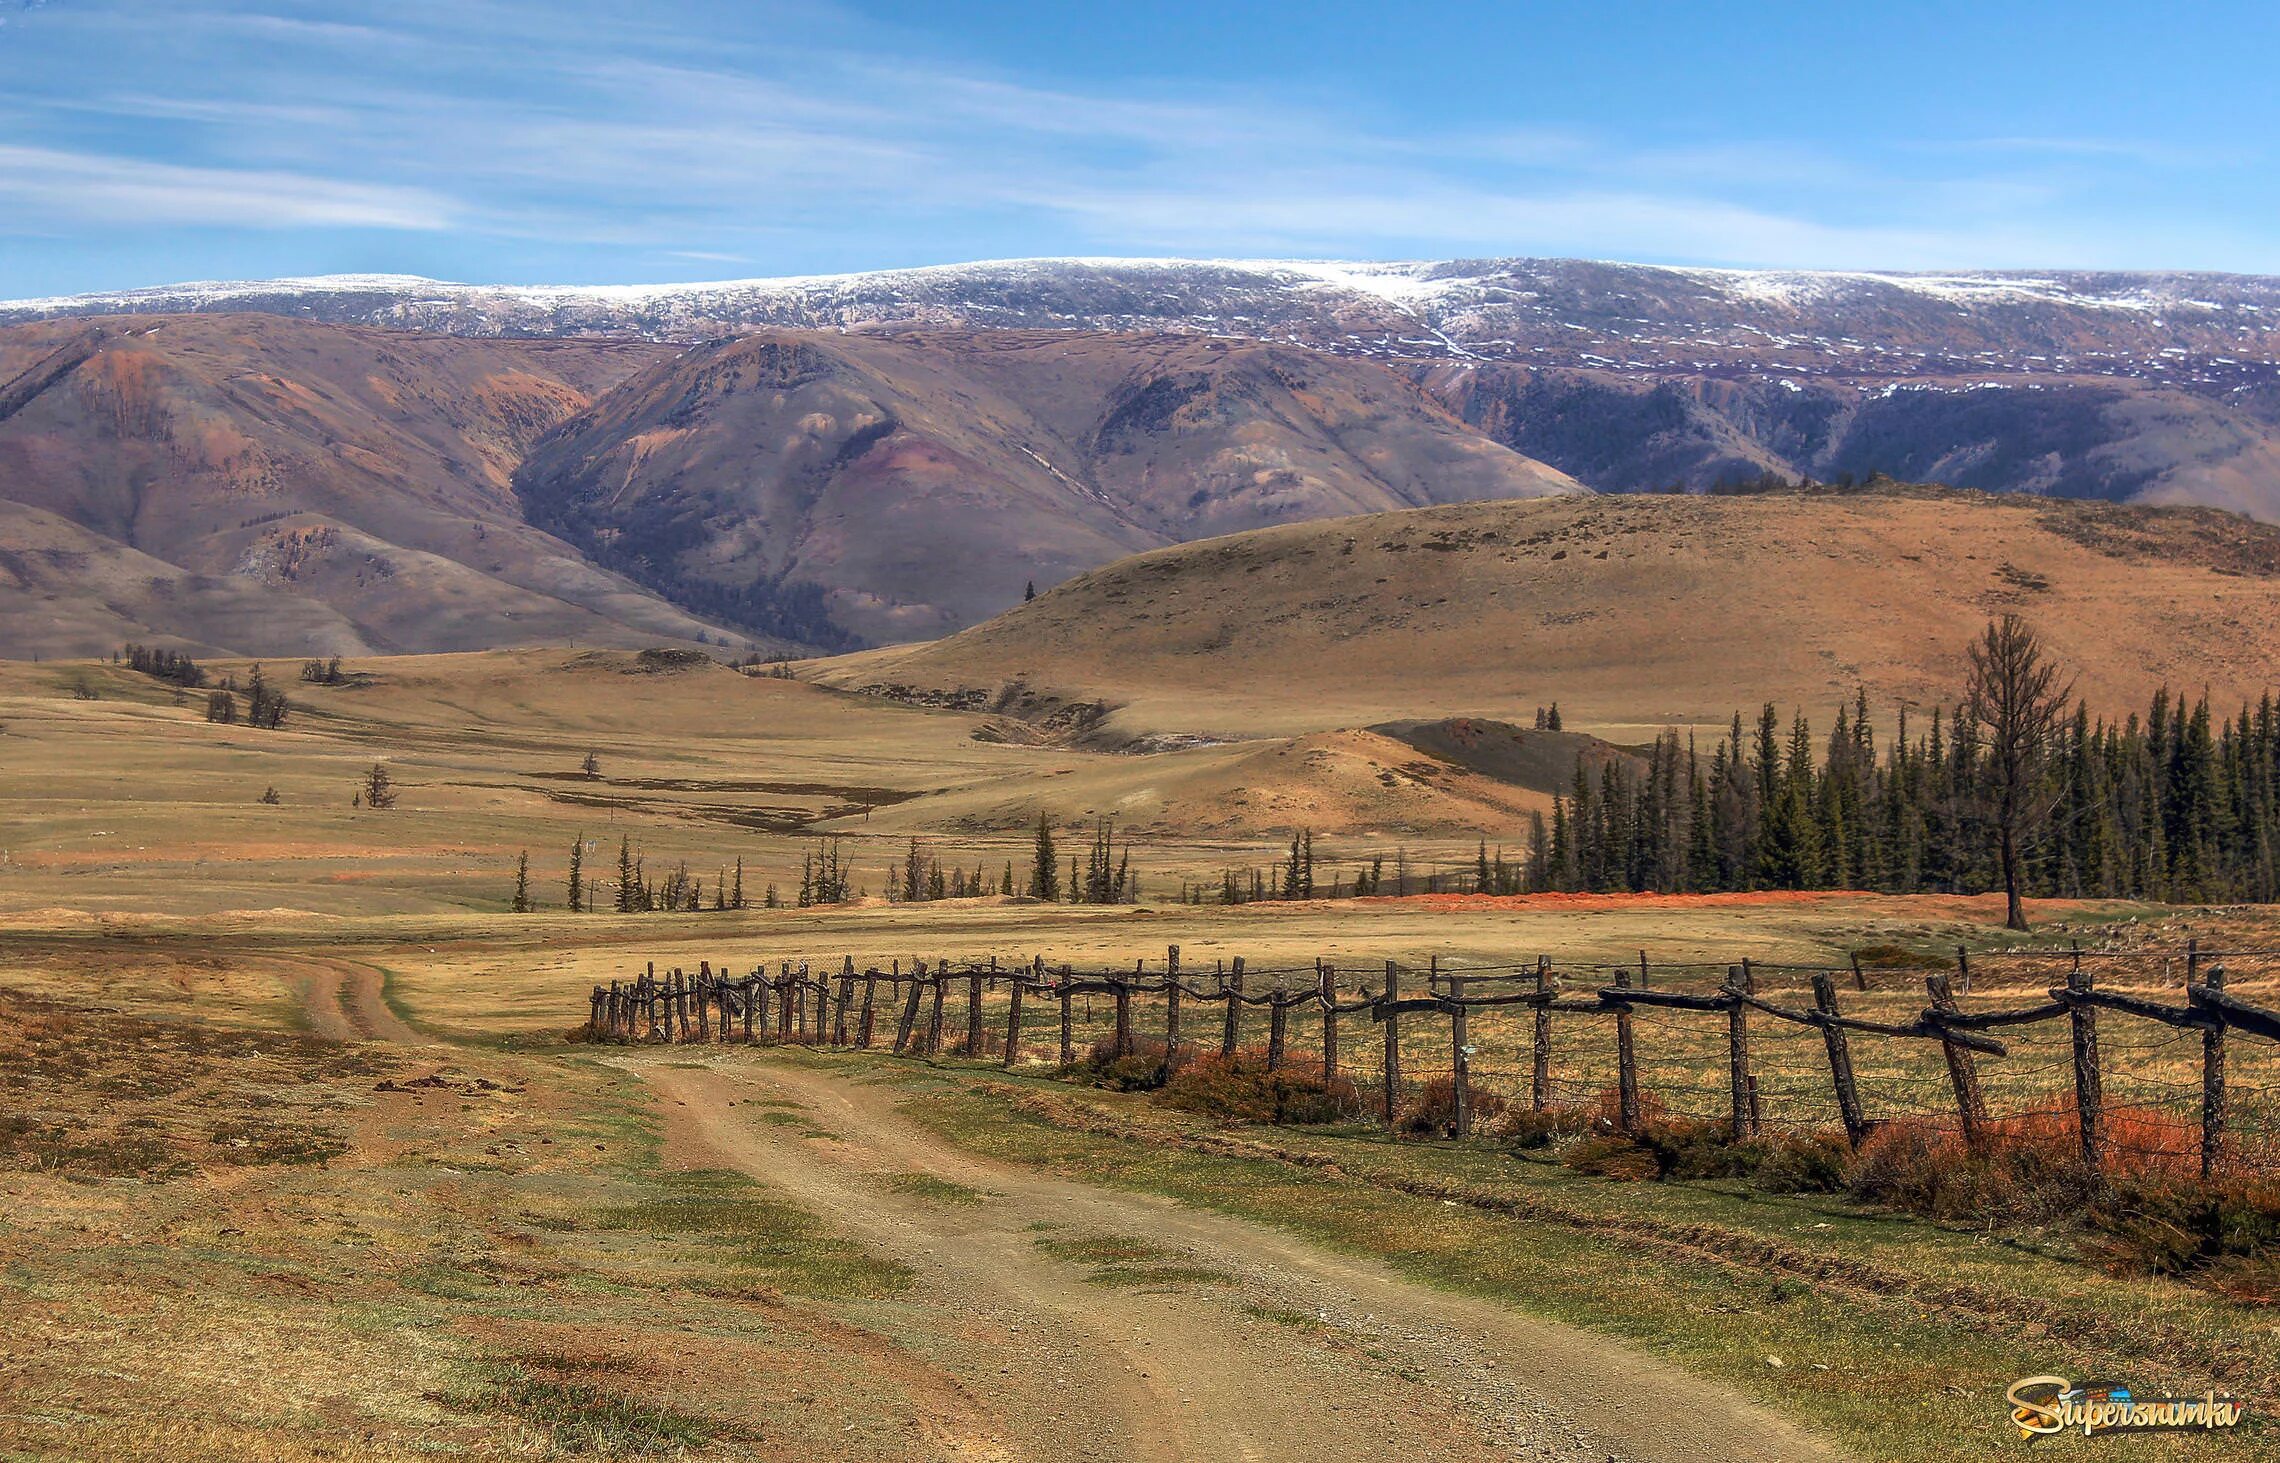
(1210, 1338)
(343, 1002)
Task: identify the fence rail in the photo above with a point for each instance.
(1753, 1046)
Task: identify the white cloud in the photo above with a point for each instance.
(49, 185)
(578, 123)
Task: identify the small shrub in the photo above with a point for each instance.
(1241, 1089)
(1799, 1163)
(1141, 1070)
(2227, 1233)
(1607, 1110)
(1693, 1148)
(1897, 957)
(1612, 1156)
(1433, 1112)
(2019, 1173)
(1527, 1127)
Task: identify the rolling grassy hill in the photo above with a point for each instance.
(1630, 612)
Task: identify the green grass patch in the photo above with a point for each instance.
(1101, 1247)
(938, 1190)
(1284, 1317)
(1122, 1261)
(581, 1419)
(776, 1242)
(1152, 1277)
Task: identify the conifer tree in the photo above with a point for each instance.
(2014, 692)
(1044, 869)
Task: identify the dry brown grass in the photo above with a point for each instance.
(1633, 612)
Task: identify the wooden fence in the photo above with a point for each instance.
(1434, 1038)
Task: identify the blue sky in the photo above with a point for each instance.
(568, 142)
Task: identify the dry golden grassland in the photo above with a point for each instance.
(297, 1161)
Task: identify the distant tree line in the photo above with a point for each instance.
(166, 665)
(265, 705)
(922, 878)
(1303, 874)
(2182, 804)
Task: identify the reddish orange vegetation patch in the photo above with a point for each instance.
(1976, 906)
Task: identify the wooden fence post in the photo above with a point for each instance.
(1460, 1063)
(1963, 967)
(1068, 1039)
(974, 1011)
(812, 1026)
(1963, 1072)
(1123, 993)
(1738, 1056)
(753, 998)
(846, 1000)
(1013, 1017)
(1231, 1022)
(1392, 1046)
(1278, 1023)
(903, 1028)
(2089, 1083)
(2213, 1107)
(787, 995)
(1171, 1005)
(1329, 1024)
(1839, 1047)
(934, 1008)
(1540, 1058)
(1626, 1060)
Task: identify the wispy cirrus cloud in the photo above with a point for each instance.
(54, 185)
(669, 136)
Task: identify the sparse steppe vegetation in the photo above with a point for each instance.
(298, 1158)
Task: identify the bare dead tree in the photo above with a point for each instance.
(2016, 697)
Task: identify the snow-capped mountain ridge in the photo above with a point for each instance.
(1539, 311)
(1397, 281)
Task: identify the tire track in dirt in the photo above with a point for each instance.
(1313, 1356)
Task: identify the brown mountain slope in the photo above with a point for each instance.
(896, 486)
(363, 472)
(1628, 611)
(2070, 437)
